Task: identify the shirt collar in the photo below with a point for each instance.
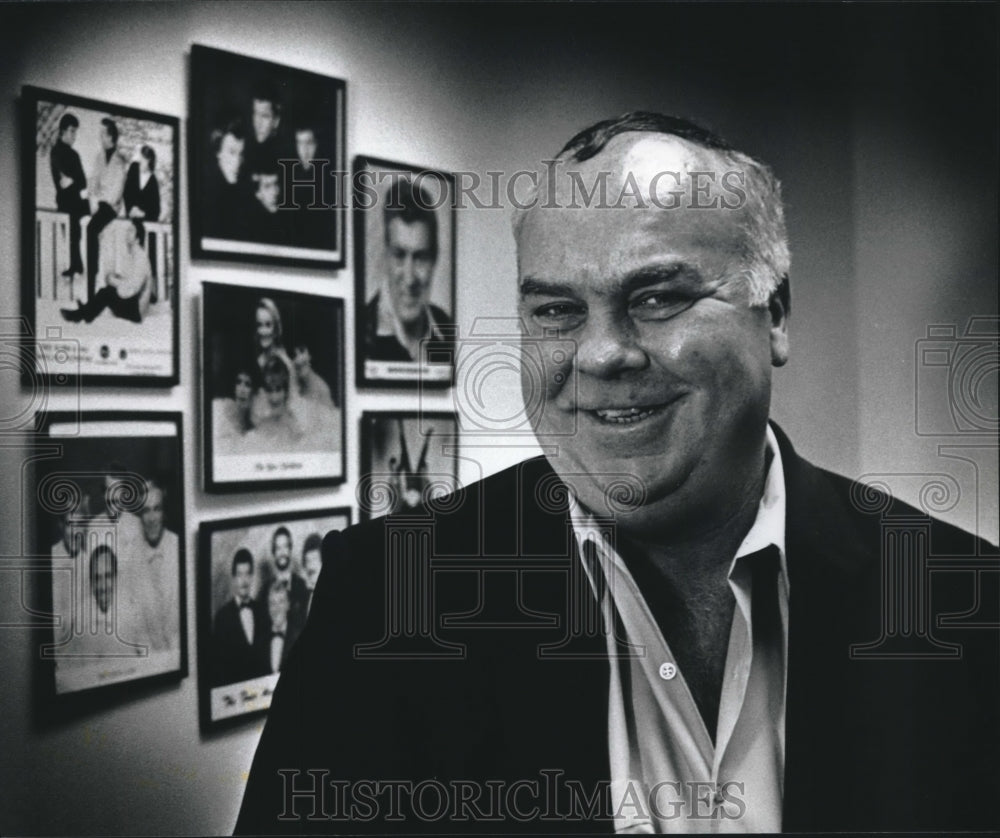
(388, 325)
(769, 525)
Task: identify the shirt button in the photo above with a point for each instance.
(667, 671)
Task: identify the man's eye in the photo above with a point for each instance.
(563, 315)
(660, 305)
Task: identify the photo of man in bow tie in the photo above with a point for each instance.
(238, 628)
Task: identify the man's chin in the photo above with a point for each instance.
(411, 318)
(622, 489)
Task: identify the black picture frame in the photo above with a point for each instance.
(75, 245)
(232, 682)
(251, 443)
(110, 491)
(232, 217)
(427, 203)
(396, 475)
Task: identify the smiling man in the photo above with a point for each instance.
(666, 623)
(400, 318)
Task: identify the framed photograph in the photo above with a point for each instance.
(99, 222)
(268, 166)
(110, 512)
(273, 389)
(406, 459)
(404, 227)
(255, 582)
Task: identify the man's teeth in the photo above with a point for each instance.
(624, 416)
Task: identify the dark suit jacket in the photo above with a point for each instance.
(871, 743)
(63, 160)
(233, 659)
(146, 198)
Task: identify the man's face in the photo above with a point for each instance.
(281, 548)
(312, 563)
(230, 157)
(305, 145)
(242, 580)
(68, 135)
(104, 582)
(268, 192)
(106, 142)
(411, 268)
(667, 374)
(265, 121)
(152, 516)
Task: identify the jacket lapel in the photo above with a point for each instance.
(552, 677)
(828, 559)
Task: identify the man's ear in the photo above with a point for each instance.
(779, 307)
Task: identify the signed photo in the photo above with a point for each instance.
(273, 395)
(268, 163)
(111, 516)
(100, 240)
(257, 577)
(404, 226)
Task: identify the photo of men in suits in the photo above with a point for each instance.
(256, 604)
(262, 128)
(103, 234)
(239, 628)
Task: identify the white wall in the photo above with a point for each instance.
(498, 88)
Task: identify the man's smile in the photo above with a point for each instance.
(625, 415)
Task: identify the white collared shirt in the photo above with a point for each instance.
(659, 746)
(388, 325)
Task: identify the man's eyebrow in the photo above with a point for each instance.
(530, 285)
(639, 278)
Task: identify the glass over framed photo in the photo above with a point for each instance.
(99, 219)
(268, 162)
(273, 397)
(110, 511)
(407, 459)
(255, 585)
(404, 227)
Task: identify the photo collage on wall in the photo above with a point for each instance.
(267, 185)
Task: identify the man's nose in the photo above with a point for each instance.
(607, 345)
(410, 278)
